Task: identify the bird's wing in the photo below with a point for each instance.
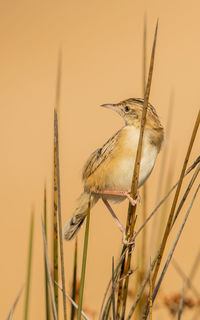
(99, 156)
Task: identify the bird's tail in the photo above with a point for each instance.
(73, 225)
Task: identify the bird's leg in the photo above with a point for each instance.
(126, 194)
(121, 228)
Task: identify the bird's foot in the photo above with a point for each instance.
(128, 243)
(126, 194)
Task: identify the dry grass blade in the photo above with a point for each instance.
(140, 229)
(144, 211)
(141, 289)
(186, 194)
(171, 215)
(45, 266)
(29, 267)
(150, 296)
(74, 279)
(117, 273)
(166, 196)
(80, 302)
(14, 304)
(132, 210)
(73, 303)
(55, 317)
(155, 229)
(113, 290)
(173, 248)
(57, 165)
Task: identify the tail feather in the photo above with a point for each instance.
(75, 222)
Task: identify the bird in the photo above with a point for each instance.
(108, 172)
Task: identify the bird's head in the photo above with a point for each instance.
(131, 111)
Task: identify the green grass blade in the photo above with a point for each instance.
(52, 295)
(80, 302)
(29, 267)
(73, 303)
(74, 284)
(45, 266)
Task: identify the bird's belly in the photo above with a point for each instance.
(120, 177)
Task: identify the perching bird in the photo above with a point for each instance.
(108, 172)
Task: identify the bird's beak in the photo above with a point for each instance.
(110, 106)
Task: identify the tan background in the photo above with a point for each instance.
(102, 57)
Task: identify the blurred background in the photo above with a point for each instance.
(101, 45)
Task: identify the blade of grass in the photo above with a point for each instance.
(141, 289)
(166, 196)
(154, 231)
(52, 294)
(73, 303)
(80, 302)
(186, 194)
(134, 188)
(150, 296)
(171, 215)
(74, 279)
(45, 266)
(14, 304)
(117, 269)
(144, 211)
(57, 165)
(113, 290)
(29, 267)
(142, 251)
(173, 248)
(146, 279)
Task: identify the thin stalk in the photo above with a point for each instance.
(173, 249)
(134, 188)
(166, 196)
(144, 211)
(74, 279)
(73, 303)
(117, 269)
(85, 248)
(186, 193)
(113, 290)
(45, 266)
(154, 231)
(55, 187)
(56, 137)
(29, 267)
(52, 295)
(150, 296)
(142, 251)
(171, 215)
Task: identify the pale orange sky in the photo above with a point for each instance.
(102, 62)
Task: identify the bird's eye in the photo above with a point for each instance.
(127, 108)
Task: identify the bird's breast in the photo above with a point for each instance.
(120, 173)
